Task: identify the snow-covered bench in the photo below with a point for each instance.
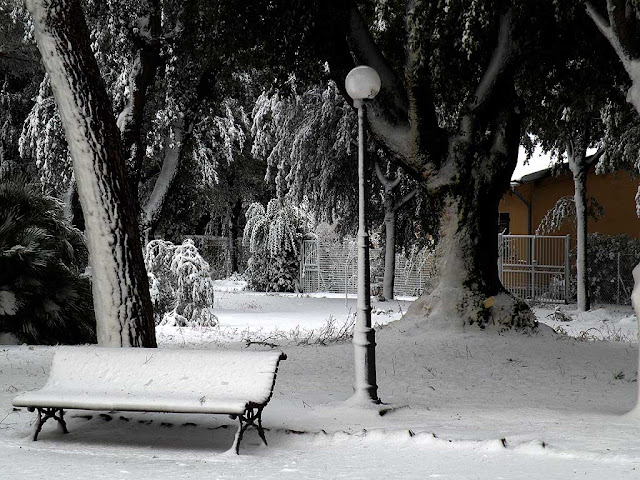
(238, 384)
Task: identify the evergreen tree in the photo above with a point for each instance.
(44, 297)
(273, 237)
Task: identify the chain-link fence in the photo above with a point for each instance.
(333, 267)
(217, 252)
(611, 278)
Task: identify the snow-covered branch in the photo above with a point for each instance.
(387, 113)
(591, 159)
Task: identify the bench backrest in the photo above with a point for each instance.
(246, 375)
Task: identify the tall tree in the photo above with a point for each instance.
(391, 207)
(565, 118)
(124, 314)
(620, 25)
(579, 164)
(461, 143)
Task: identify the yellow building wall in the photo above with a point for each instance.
(615, 192)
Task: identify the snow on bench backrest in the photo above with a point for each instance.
(247, 375)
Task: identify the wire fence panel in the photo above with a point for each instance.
(333, 267)
(612, 282)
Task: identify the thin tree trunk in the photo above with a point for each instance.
(579, 164)
(579, 168)
(234, 226)
(390, 209)
(389, 255)
(124, 314)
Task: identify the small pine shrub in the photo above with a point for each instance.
(180, 284)
(44, 297)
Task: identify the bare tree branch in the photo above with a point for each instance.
(387, 183)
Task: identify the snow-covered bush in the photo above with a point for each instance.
(44, 296)
(272, 236)
(180, 284)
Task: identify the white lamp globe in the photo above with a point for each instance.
(362, 82)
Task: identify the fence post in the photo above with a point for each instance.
(567, 272)
(533, 267)
(500, 254)
(618, 281)
(346, 281)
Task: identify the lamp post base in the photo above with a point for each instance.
(364, 344)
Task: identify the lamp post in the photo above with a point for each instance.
(363, 83)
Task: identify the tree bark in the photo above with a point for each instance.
(146, 60)
(466, 286)
(234, 226)
(579, 167)
(124, 314)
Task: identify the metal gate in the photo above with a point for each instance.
(535, 267)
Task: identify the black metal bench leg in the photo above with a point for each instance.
(260, 429)
(239, 433)
(48, 413)
(61, 421)
(38, 425)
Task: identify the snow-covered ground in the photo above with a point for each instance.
(464, 405)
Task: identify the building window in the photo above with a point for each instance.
(503, 223)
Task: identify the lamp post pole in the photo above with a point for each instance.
(362, 83)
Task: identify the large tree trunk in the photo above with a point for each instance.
(122, 303)
(466, 287)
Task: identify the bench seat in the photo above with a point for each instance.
(235, 383)
(131, 403)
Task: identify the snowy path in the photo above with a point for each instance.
(471, 389)
(336, 457)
